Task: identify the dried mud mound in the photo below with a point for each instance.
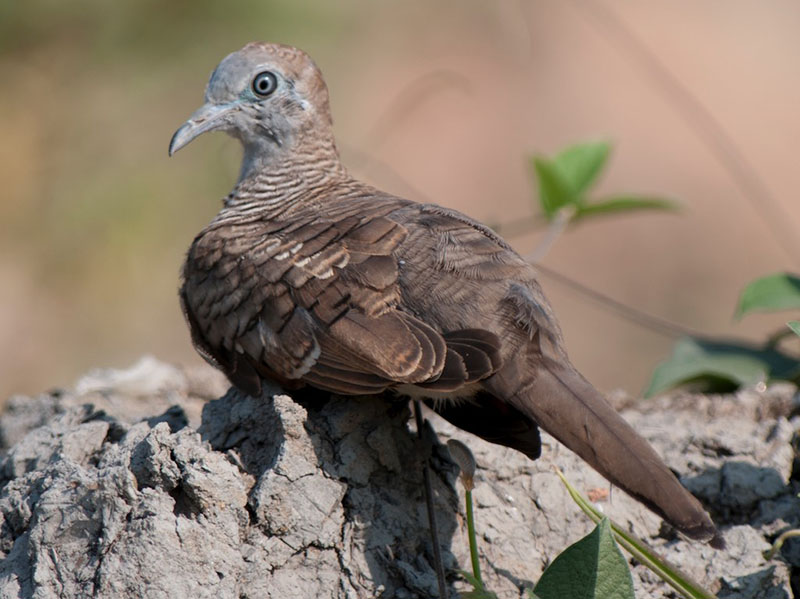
(138, 483)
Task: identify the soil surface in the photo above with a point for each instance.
(141, 483)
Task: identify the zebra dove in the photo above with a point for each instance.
(309, 276)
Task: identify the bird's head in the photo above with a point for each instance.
(268, 96)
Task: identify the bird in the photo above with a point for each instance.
(309, 276)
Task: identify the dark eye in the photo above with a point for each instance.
(265, 83)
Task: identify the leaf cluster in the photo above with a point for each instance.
(711, 365)
(565, 180)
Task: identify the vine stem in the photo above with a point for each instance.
(473, 544)
(426, 475)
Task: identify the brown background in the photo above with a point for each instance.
(434, 100)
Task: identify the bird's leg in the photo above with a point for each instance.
(426, 474)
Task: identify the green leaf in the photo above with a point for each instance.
(580, 164)
(718, 366)
(794, 325)
(780, 291)
(592, 568)
(685, 586)
(554, 190)
(618, 204)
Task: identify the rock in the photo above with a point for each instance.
(122, 488)
(149, 389)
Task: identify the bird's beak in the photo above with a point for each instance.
(207, 118)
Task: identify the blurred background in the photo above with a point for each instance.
(439, 101)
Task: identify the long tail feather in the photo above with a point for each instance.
(568, 407)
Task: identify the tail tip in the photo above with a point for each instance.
(717, 541)
(706, 533)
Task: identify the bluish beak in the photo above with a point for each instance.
(207, 118)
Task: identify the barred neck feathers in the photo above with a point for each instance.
(279, 179)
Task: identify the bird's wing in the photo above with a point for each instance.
(537, 384)
(461, 274)
(318, 300)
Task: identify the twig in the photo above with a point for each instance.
(654, 323)
(411, 97)
(701, 120)
(426, 475)
(557, 227)
(776, 546)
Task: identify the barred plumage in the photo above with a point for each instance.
(308, 276)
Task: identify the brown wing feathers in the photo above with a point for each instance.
(472, 355)
(322, 305)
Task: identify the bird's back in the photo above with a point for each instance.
(309, 276)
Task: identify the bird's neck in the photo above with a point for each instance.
(277, 176)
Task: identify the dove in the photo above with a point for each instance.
(308, 276)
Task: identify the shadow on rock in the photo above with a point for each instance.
(737, 489)
(339, 475)
(756, 584)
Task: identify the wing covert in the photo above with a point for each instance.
(318, 303)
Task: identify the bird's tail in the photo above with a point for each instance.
(568, 407)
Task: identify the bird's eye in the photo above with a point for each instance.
(265, 83)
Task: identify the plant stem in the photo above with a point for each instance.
(776, 546)
(664, 570)
(473, 544)
(426, 476)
